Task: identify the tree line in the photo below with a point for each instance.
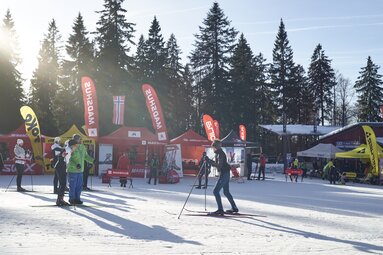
(223, 77)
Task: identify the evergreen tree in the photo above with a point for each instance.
(304, 98)
(369, 89)
(322, 81)
(114, 66)
(213, 46)
(241, 86)
(176, 91)
(11, 92)
(69, 100)
(282, 74)
(45, 80)
(188, 106)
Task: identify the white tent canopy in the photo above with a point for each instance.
(320, 151)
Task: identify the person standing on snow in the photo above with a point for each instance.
(56, 150)
(60, 171)
(75, 168)
(262, 166)
(224, 178)
(20, 157)
(204, 169)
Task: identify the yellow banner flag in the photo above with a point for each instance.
(32, 128)
(372, 149)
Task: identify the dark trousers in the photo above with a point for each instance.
(249, 169)
(153, 174)
(223, 182)
(200, 176)
(85, 177)
(261, 170)
(332, 178)
(55, 181)
(19, 171)
(61, 176)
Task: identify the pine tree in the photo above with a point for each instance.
(114, 67)
(213, 46)
(45, 80)
(241, 86)
(178, 111)
(69, 99)
(282, 76)
(304, 98)
(188, 106)
(370, 92)
(11, 92)
(322, 81)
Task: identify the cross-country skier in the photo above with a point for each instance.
(224, 178)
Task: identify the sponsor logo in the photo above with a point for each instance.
(89, 103)
(210, 130)
(161, 136)
(134, 134)
(153, 108)
(92, 132)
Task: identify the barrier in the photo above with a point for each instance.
(119, 173)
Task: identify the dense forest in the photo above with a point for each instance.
(222, 77)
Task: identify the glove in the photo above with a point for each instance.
(78, 166)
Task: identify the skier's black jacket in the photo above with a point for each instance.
(220, 161)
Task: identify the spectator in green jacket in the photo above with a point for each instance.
(75, 168)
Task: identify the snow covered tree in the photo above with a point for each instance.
(11, 92)
(45, 80)
(209, 60)
(369, 89)
(322, 81)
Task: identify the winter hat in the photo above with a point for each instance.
(216, 144)
(20, 142)
(71, 142)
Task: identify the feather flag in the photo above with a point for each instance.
(32, 128)
(118, 110)
(372, 149)
(155, 110)
(90, 106)
(208, 123)
(242, 132)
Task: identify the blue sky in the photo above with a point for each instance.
(349, 30)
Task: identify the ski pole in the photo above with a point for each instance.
(13, 177)
(195, 180)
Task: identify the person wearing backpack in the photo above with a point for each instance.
(224, 178)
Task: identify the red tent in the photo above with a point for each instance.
(192, 147)
(7, 145)
(128, 139)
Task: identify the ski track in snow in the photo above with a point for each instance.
(310, 217)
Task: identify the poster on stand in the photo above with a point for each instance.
(173, 160)
(105, 158)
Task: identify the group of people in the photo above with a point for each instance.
(70, 161)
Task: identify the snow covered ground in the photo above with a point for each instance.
(312, 217)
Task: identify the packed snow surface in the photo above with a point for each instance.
(309, 217)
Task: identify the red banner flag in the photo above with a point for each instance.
(118, 110)
(242, 132)
(216, 128)
(90, 106)
(155, 110)
(208, 123)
